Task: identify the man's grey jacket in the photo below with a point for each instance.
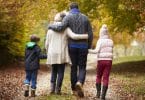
(79, 24)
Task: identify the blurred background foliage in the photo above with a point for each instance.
(21, 18)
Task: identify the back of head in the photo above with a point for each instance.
(34, 38)
(104, 32)
(59, 16)
(74, 5)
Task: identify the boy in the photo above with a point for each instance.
(32, 58)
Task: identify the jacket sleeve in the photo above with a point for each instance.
(75, 36)
(42, 56)
(39, 53)
(59, 27)
(90, 35)
(25, 53)
(47, 40)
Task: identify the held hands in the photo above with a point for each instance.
(93, 51)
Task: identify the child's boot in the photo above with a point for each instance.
(58, 90)
(33, 93)
(98, 87)
(104, 91)
(58, 87)
(26, 93)
(52, 88)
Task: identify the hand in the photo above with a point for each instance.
(89, 50)
(92, 51)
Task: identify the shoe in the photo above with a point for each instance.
(98, 88)
(79, 89)
(52, 92)
(58, 92)
(26, 92)
(33, 93)
(58, 89)
(52, 88)
(104, 91)
(74, 92)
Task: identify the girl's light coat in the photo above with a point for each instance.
(104, 46)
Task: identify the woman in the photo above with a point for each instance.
(57, 52)
(104, 50)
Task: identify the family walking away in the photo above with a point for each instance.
(57, 52)
(68, 40)
(78, 49)
(32, 57)
(104, 50)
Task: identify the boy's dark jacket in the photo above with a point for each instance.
(33, 56)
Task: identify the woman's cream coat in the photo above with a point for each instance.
(57, 46)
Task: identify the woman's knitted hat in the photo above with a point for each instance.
(59, 17)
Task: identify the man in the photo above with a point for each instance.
(78, 49)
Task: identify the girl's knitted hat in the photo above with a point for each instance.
(104, 32)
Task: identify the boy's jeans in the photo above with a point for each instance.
(31, 78)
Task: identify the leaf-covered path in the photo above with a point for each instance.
(11, 83)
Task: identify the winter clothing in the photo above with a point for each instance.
(57, 52)
(104, 46)
(98, 87)
(79, 24)
(79, 58)
(103, 70)
(104, 90)
(32, 58)
(79, 88)
(26, 93)
(104, 50)
(57, 75)
(33, 93)
(52, 86)
(31, 76)
(57, 45)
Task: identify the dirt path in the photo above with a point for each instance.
(11, 82)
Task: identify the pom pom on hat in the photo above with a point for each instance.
(103, 31)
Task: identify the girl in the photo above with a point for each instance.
(104, 50)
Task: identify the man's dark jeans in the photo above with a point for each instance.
(78, 69)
